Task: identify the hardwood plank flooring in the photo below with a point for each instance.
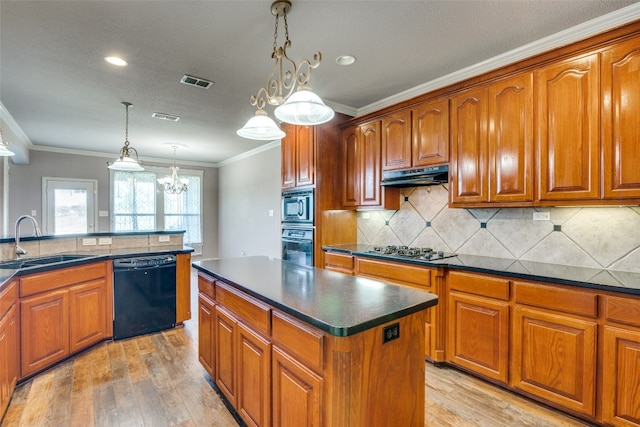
(156, 380)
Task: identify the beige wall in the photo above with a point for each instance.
(600, 237)
(248, 189)
(25, 189)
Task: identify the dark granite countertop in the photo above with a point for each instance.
(11, 239)
(336, 303)
(593, 278)
(89, 256)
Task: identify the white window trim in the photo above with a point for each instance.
(44, 221)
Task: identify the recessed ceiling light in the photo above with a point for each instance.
(114, 60)
(345, 59)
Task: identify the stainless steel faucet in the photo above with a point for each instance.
(36, 232)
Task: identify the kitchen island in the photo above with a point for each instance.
(290, 345)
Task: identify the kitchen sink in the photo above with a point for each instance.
(39, 261)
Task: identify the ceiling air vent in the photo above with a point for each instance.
(163, 116)
(196, 81)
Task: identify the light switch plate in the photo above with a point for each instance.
(104, 241)
(541, 216)
(89, 242)
(103, 213)
(163, 239)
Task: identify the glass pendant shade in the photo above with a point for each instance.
(304, 108)
(261, 127)
(126, 164)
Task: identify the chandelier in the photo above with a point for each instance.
(125, 162)
(172, 184)
(300, 108)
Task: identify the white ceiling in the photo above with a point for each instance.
(56, 87)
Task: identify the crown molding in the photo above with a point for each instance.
(249, 153)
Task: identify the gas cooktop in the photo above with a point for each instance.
(426, 254)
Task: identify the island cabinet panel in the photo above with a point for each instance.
(254, 377)
(9, 344)
(304, 342)
(568, 129)
(430, 133)
(297, 393)
(555, 358)
(44, 329)
(226, 358)
(469, 166)
(206, 333)
(478, 324)
(396, 140)
(250, 310)
(511, 139)
(620, 112)
(88, 315)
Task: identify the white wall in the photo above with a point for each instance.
(248, 189)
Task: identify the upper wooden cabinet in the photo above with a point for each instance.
(492, 143)
(620, 113)
(568, 129)
(298, 156)
(362, 169)
(417, 137)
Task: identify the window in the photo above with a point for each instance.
(139, 204)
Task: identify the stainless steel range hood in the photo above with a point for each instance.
(432, 175)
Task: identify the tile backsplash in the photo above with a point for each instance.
(600, 237)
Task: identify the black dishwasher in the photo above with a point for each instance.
(144, 295)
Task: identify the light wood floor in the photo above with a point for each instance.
(156, 380)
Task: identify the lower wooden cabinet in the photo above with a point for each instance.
(88, 316)
(297, 393)
(254, 377)
(225, 353)
(206, 333)
(555, 358)
(9, 344)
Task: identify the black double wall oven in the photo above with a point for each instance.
(297, 227)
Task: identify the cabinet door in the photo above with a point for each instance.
(226, 330)
(206, 337)
(254, 377)
(511, 139)
(351, 170)
(469, 147)
(567, 122)
(620, 113)
(621, 376)
(555, 358)
(396, 141)
(288, 151)
(297, 393)
(370, 190)
(88, 317)
(9, 356)
(430, 133)
(44, 330)
(478, 335)
(305, 156)
(183, 287)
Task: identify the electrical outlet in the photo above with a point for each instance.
(390, 333)
(541, 216)
(103, 213)
(366, 215)
(104, 241)
(163, 239)
(34, 213)
(270, 212)
(89, 242)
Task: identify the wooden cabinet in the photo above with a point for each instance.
(621, 353)
(297, 393)
(554, 344)
(430, 133)
(62, 312)
(9, 344)
(298, 156)
(362, 169)
(620, 112)
(492, 143)
(254, 377)
(206, 334)
(568, 129)
(396, 140)
(340, 262)
(225, 353)
(183, 287)
(478, 324)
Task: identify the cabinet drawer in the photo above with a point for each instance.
(492, 287)
(253, 312)
(48, 280)
(205, 285)
(338, 262)
(8, 297)
(557, 298)
(622, 309)
(300, 340)
(402, 274)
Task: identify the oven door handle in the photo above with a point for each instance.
(297, 240)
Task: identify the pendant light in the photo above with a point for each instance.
(125, 162)
(4, 150)
(172, 184)
(301, 107)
